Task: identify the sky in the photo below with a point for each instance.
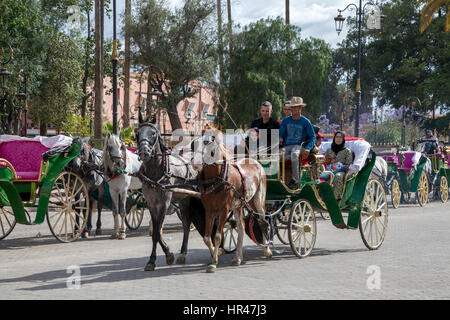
(314, 17)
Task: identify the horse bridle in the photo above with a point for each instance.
(118, 170)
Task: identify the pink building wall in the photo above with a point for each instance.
(201, 105)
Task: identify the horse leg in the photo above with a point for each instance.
(257, 204)
(185, 219)
(122, 211)
(98, 230)
(115, 210)
(239, 217)
(157, 215)
(151, 264)
(209, 222)
(217, 240)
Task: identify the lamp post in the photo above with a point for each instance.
(114, 59)
(339, 21)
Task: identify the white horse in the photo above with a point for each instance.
(119, 165)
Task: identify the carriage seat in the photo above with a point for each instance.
(25, 157)
(410, 161)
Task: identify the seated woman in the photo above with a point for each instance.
(338, 158)
(250, 146)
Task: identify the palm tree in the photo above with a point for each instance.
(429, 10)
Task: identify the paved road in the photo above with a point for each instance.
(413, 263)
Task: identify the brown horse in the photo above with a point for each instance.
(224, 185)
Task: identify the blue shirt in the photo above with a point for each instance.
(295, 132)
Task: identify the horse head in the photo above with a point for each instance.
(214, 150)
(115, 152)
(150, 141)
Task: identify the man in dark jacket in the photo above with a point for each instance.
(265, 124)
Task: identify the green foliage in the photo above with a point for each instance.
(60, 90)
(125, 133)
(390, 132)
(75, 125)
(258, 70)
(177, 46)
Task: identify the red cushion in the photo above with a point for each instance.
(27, 175)
(25, 157)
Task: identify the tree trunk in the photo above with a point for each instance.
(174, 119)
(98, 86)
(220, 40)
(230, 27)
(126, 70)
(287, 12)
(42, 129)
(289, 86)
(86, 69)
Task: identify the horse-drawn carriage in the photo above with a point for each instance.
(32, 170)
(292, 213)
(414, 172)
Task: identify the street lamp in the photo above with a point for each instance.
(410, 101)
(339, 21)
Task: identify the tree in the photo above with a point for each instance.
(177, 46)
(258, 69)
(428, 12)
(60, 90)
(126, 69)
(99, 69)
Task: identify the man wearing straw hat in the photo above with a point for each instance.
(295, 131)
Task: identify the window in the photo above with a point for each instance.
(205, 111)
(189, 109)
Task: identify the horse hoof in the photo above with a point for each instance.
(85, 234)
(150, 267)
(221, 251)
(114, 236)
(98, 232)
(236, 262)
(181, 260)
(122, 236)
(211, 268)
(170, 258)
(268, 255)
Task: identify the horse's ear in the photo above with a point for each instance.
(140, 117)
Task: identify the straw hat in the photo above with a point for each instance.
(297, 101)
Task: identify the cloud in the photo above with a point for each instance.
(314, 17)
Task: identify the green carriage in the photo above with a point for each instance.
(33, 179)
(292, 213)
(440, 174)
(415, 173)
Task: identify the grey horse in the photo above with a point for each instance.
(88, 165)
(159, 169)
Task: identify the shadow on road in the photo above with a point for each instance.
(132, 269)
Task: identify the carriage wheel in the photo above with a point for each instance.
(396, 194)
(281, 226)
(422, 190)
(7, 221)
(68, 203)
(135, 214)
(374, 215)
(302, 228)
(229, 239)
(443, 189)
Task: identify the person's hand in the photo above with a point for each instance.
(305, 153)
(281, 142)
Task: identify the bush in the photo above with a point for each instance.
(75, 125)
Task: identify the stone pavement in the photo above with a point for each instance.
(412, 263)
